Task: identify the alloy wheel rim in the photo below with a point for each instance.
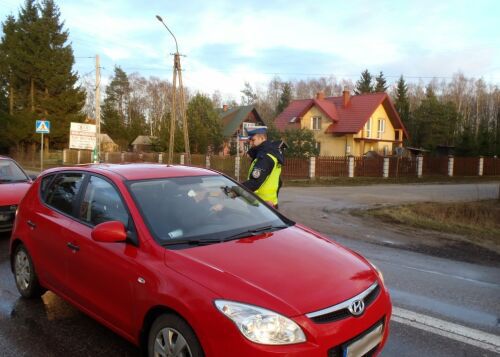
(23, 270)
(170, 343)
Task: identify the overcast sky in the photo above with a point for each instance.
(230, 42)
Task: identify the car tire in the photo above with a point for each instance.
(171, 336)
(25, 275)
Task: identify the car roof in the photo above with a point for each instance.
(140, 171)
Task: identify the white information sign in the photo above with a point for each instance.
(82, 136)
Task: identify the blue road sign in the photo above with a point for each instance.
(42, 126)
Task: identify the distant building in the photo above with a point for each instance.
(233, 121)
(143, 143)
(347, 125)
(107, 144)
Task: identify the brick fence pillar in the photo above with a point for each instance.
(160, 158)
(480, 168)
(182, 159)
(78, 157)
(420, 165)
(386, 167)
(237, 167)
(106, 156)
(122, 157)
(450, 165)
(312, 167)
(207, 161)
(65, 156)
(351, 166)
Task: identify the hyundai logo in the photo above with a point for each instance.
(357, 307)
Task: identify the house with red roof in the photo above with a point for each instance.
(347, 125)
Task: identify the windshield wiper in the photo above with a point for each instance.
(253, 232)
(191, 242)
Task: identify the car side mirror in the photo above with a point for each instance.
(109, 232)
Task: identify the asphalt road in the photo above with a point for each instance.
(446, 303)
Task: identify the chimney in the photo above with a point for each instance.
(347, 96)
(225, 108)
(320, 95)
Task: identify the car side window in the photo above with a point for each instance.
(45, 184)
(62, 193)
(102, 203)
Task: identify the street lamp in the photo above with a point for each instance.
(177, 72)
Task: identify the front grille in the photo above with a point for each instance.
(338, 351)
(343, 313)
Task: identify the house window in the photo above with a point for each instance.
(368, 128)
(381, 128)
(316, 123)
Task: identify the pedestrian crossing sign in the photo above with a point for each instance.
(42, 126)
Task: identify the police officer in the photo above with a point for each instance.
(265, 170)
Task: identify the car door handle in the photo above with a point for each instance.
(31, 224)
(73, 247)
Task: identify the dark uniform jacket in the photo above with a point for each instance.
(264, 165)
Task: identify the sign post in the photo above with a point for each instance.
(42, 127)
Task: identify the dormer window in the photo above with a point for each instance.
(294, 120)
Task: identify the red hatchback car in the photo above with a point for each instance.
(14, 183)
(184, 261)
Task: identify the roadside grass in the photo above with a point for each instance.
(479, 220)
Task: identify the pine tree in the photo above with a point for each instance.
(301, 143)
(115, 116)
(249, 96)
(205, 129)
(36, 69)
(364, 84)
(435, 122)
(402, 103)
(285, 97)
(380, 83)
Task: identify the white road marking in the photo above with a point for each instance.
(447, 329)
(492, 285)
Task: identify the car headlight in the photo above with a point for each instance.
(381, 276)
(260, 325)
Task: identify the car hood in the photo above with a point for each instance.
(293, 270)
(12, 193)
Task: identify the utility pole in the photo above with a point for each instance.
(97, 159)
(177, 72)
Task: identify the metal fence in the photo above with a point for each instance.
(402, 167)
(491, 166)
(332, 166)
(294, 168)
(368, 166)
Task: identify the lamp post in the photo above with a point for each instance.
(177, 73)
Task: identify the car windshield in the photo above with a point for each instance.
(201, 209)
(10, 172)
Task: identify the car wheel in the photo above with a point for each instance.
(24, 273)
(171, 336)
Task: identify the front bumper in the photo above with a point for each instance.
(323, 339)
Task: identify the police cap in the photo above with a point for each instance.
(262, 130)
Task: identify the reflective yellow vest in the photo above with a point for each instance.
(268, 191)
